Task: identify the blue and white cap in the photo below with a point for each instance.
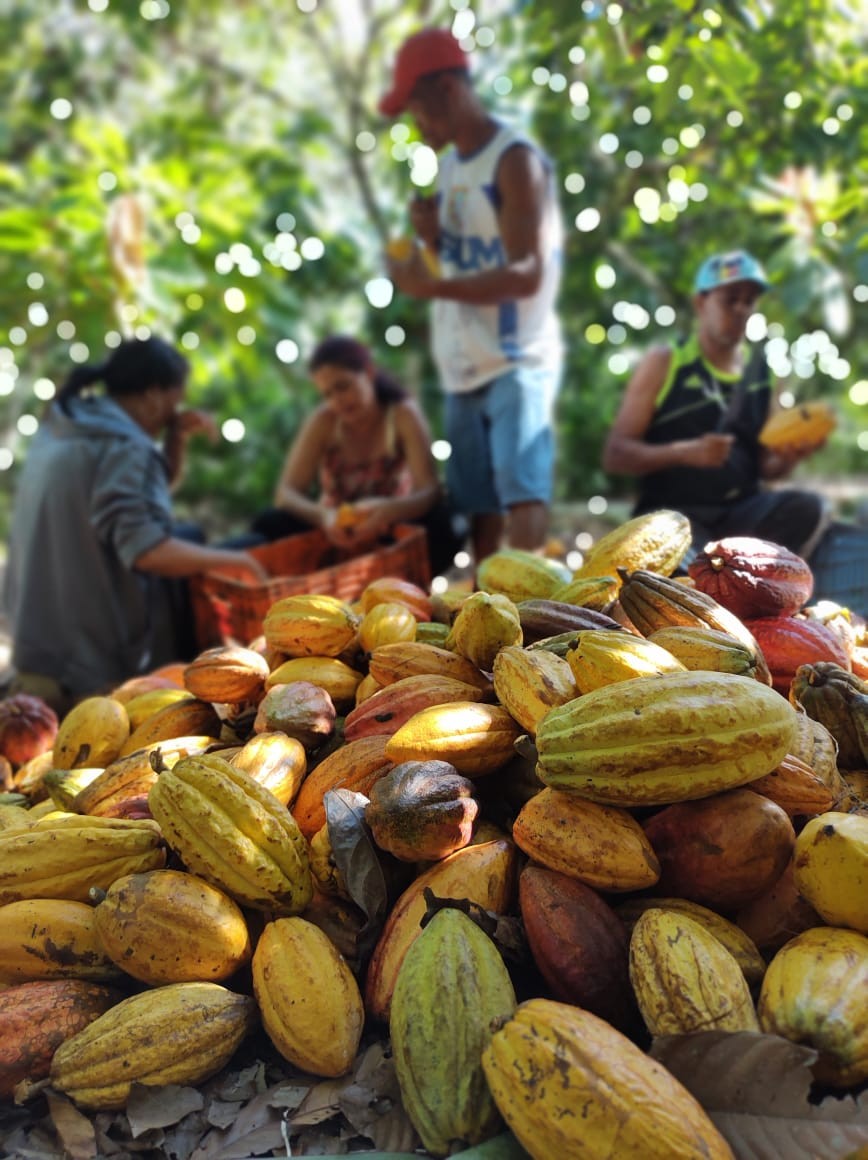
(734, 266)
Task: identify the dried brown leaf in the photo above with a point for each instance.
(74, 1130)
(757, 1090)
(149, 1108)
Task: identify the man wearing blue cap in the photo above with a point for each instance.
(689, 423)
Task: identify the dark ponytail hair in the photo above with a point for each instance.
(339, 350)
(131, 369)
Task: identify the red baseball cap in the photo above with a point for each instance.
(429, 51)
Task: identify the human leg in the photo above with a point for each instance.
(469, 471)
(519, 409)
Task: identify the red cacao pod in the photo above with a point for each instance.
(28, 727)
(579, 944)
(752, 577)
(790, 641)
(721, 851)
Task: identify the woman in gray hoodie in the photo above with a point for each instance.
(93, 541)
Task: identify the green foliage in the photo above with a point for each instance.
(247, 136)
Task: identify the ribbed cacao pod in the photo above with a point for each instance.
(838, 700)
(551, 1059)
(309, 1000)
(597, 592)
(77, 853)
(127, 778)
(312, 625)
(685, 979)
(355, 765)
(437, 1043)
(752, 577)
(544, 618)
(179, 1034)
(656, 740)
(521, 575)
(797, 789)
(388, 622)
(393, 662)
(422, 811)
(605, 658)
(653, 602)
(707, 649)
(804, 424)
(815, 992)
(485, 624)
(339, 679)
(228, 674)
(529, 683)
(188, 718)
(234, 833)
(391, 589)
(737, 942)
(277, 762)
(299, 709)
(392, 706)
(483, 873)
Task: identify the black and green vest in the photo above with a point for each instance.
(695, 399)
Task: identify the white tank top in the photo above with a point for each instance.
(471, 344)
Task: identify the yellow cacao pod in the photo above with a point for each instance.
(228, 674)
(187, 718)
(528, 684)
(179, 1034)
(830, 864)
(552, 1059)
(395, 704)
(656, 740)
(167, 926)
(521, 575)
(92, 733)
(133, 775)
(51, 938)
(310, 1002)
(310, 626)
(596, 592)
(602, 658)
(386, 623)
(708, 649)
(393, 662)
(815, 992)
(603, 846)
(804, 424)
(484, 625)
(145, 705)
(685, 979)
(476, 738)
(656, 541)
(275, 760)
(234, 833)
(438, 1043)
(339, 679)
(65, 857)
(739, 944)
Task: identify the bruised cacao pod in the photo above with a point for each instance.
(422, 811)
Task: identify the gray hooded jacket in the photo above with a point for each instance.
(93, 496)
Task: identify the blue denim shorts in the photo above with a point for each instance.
(502, 441)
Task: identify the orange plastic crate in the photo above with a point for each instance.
(225, 610)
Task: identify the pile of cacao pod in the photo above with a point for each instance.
(521, 830)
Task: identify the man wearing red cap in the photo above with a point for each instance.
(495, 334)
(689, 423)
